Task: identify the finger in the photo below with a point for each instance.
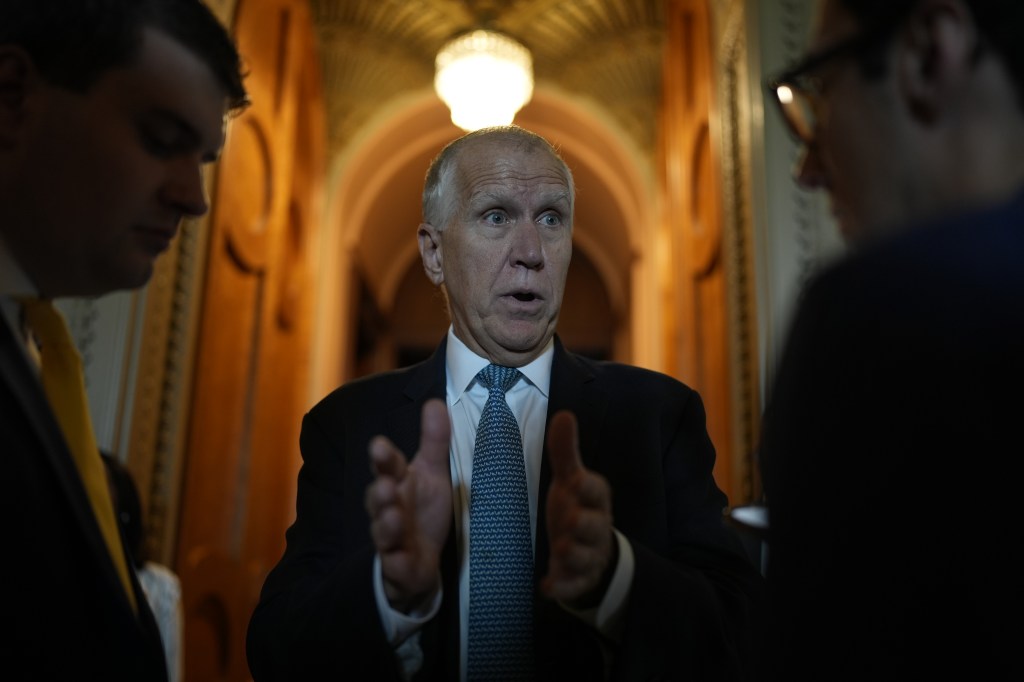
(435, 431)
(381, 493)
(593, 492)
(589, 528)
(585, 530)
(566, 589)
(570, 559)
(387, 530)
(589, 494)
(575, 571)
(386, 459)
(563, 446)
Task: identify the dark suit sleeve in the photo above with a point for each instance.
(696, 596)
(317, 616)
(807, 447)
(894, 499)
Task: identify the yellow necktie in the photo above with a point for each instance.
(64, 384)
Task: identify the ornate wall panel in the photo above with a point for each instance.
(733, 116)
(250, 371)
(699, 298)
(794, 234)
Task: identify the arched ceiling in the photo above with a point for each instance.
(604, 51)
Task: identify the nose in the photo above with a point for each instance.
(184, 188)
(526, 247)
(809, 171)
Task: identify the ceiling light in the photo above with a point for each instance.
(484, 77)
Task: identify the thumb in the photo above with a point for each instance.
(564, 445)
(435, 430)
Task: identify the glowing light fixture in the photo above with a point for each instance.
(484, 77)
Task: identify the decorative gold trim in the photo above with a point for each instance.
(142, 446)
(738, 239)
(162, 389)
(164, 380)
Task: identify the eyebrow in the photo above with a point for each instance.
(492, 197)
(563, 196)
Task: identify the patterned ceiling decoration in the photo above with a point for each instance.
(606, 51)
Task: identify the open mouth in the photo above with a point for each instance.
(525, 297)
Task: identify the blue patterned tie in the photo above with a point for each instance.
(500, 548)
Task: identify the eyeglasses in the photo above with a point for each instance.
(798, 91)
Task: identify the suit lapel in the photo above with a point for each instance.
(425, 381)
(21, 380)
(558, 636)
(572, 388)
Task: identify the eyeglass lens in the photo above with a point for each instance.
(797, 110)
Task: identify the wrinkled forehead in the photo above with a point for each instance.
(512, 162)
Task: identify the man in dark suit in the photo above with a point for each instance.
(631, 574)
(108, 112)
(892, 443)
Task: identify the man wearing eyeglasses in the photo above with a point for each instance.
(896, 136)
(892, 442)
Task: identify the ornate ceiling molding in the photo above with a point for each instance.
(606, 51)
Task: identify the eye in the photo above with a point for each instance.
(496, 218)
(156, 144)
(551, 220)
(165, 135)
(161, 142)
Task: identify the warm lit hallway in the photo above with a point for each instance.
(691, 243)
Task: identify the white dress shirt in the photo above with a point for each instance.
(528, 400)
(162, 588)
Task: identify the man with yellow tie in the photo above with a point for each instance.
(109, 110)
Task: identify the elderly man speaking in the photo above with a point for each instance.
(558, 520)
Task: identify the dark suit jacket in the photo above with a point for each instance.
(64, 611)
(892, 455)
(688, 615)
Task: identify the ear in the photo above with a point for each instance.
(430, 252)
(17, 78)
(936, 59)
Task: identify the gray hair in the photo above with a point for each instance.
(439, 197)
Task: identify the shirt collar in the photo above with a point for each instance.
(463, 366)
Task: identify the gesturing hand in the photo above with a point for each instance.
(579, 518)
(410, 507)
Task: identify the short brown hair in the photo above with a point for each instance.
(73, 42)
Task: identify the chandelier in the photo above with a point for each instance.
(484, 77)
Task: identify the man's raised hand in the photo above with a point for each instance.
(410, 508)
(579, 518)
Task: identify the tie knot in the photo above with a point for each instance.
(498, 377)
